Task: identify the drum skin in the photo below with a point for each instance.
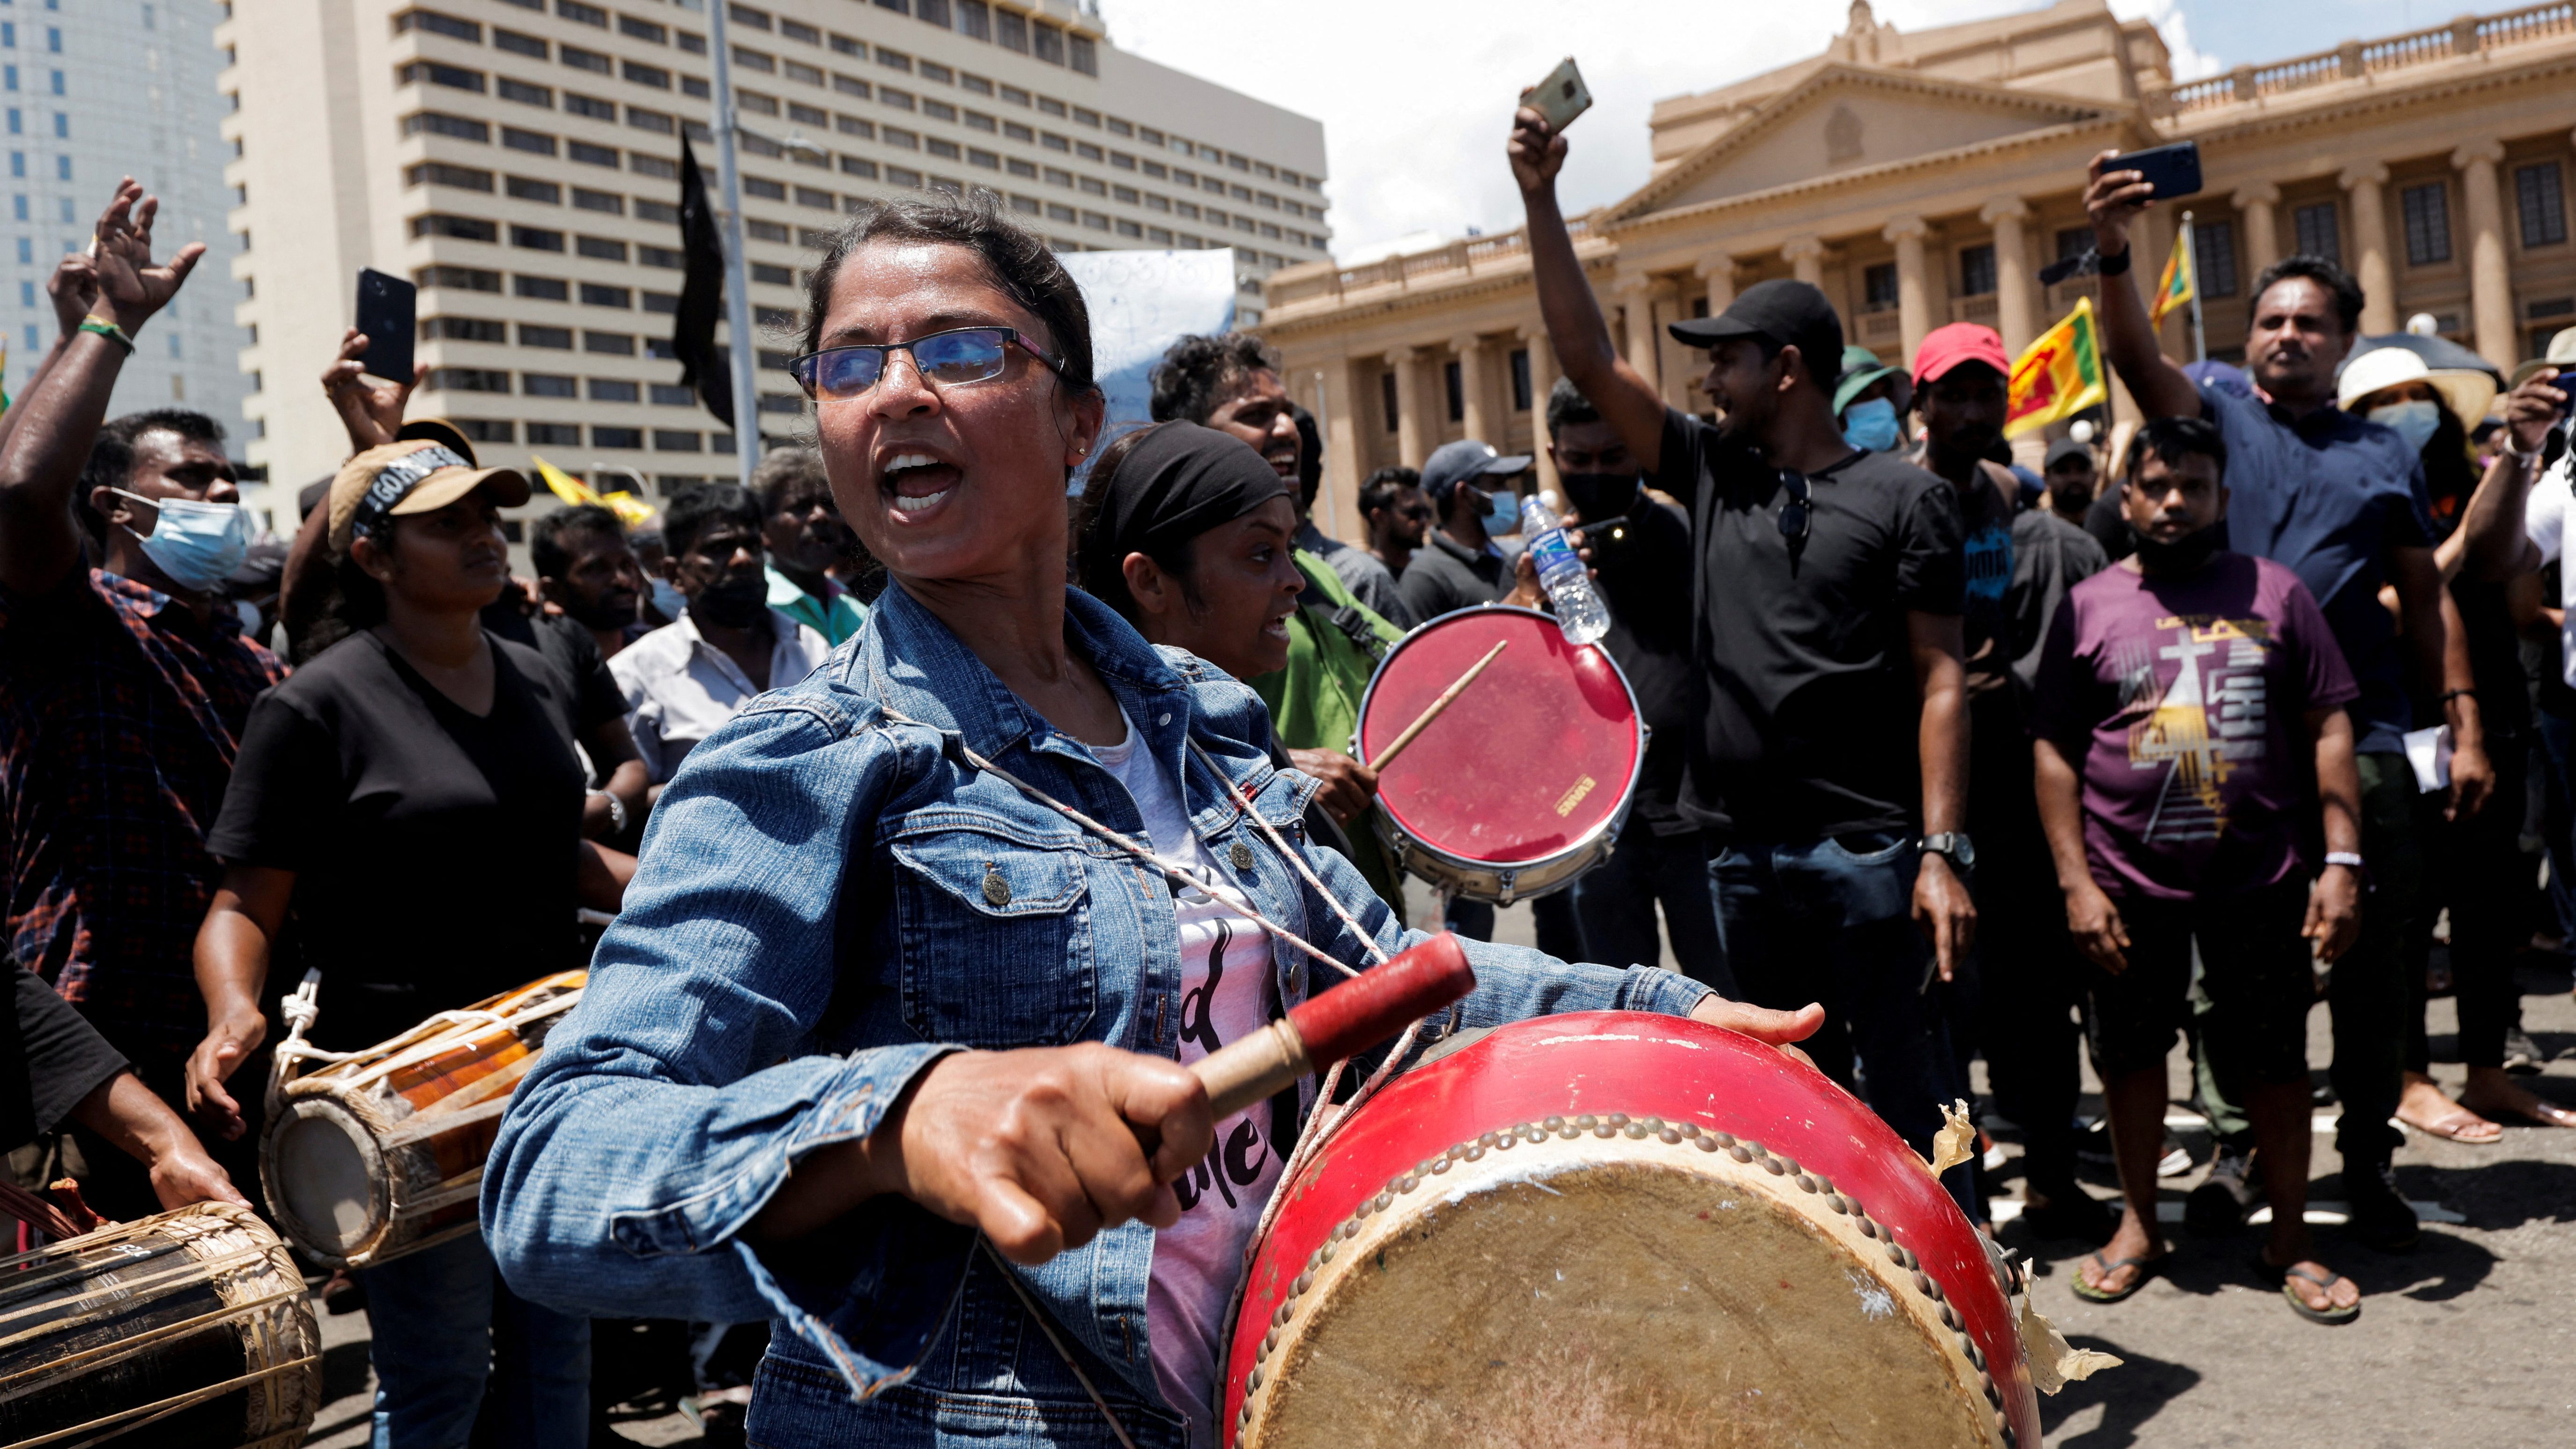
(1521, 783)
(1623, 1227)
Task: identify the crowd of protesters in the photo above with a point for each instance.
(1991, 763)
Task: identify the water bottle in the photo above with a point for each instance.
(1579, 610)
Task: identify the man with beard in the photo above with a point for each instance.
(2017, 1001)
(805, 537)
(683, 681)
(2072, 477)
(1398, 516)
(589, 573)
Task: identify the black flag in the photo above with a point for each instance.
(693, 327)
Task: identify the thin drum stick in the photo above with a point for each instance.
(1423, 721)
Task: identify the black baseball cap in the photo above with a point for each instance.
(1787, 313)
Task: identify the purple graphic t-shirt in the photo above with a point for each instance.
(2182, 704)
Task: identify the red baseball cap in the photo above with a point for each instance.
(1946, 347)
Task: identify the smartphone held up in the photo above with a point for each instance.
(1559, 98)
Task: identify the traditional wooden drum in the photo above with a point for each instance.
(1556, 743)
(185, 1330)
(381, 1153)
(1630, 1229)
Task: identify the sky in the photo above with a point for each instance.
(1416, 95)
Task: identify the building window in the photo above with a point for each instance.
(548, 384)
(1386, 399)
(594, 294)
(1977, 271)
(536, 238)
(1083, 54)
(616, 390)
(463, 228)
(2316, 233)
(468, 379)
(517, 44)
(542, 289)
(547, 435)
(2540, 196)
(672, 440)
(558, 339)
(2427, 210)
(975, 19)
(468, 279)
(488, 430)
(1520, 380)
(2213, 257)
(1453, 378)
(601, 248)
(461, 329)
(2074, 241)
(528, 141)
(526, 189)
(1878, 287)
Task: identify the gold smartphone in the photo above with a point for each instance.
(1561, 97)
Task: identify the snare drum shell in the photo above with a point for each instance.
(1697, 1078)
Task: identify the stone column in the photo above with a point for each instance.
(1806, 258)
(2367, 181)
(2262, 236)
(2490, 274)
(2016, 285)
(1637, 305)
(1913, 282)
(1476, 414)
(1342, 471)
(1410, 449)
(1717, 269)
(1542, 358)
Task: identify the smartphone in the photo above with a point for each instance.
(386, 313)
(2173, 170)
(1561, 97)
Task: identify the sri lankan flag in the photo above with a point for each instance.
(2057, 375)
(2174, 288)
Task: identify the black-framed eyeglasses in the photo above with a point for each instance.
(945, 359)
(1799, 513)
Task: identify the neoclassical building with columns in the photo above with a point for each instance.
(1925, 177)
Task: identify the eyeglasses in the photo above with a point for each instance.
(1799, 513)
(944, 359)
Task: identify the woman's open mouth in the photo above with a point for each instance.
(918, 482)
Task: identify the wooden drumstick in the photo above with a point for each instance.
(1423, 720)
(1342, 1022)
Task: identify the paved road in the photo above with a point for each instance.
(2468, 1340)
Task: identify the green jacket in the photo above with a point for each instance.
(1315, 701)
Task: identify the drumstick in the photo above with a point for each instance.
(1342, 1022)
(1423, 720)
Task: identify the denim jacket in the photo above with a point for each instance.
(827, 902)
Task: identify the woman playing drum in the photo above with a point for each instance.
(876, 991)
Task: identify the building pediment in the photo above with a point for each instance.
(1851, 118)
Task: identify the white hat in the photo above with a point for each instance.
(2466, 392)
(2561, 355)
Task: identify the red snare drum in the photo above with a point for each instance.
(1522, 782)
(1615, 1227)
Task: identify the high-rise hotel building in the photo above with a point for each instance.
(519, 160)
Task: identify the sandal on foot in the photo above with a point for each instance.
(2148, 1267)
(2328, 1316)
(2459, 1125)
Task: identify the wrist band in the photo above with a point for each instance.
(2112, 264)
(2343, 858)
(616, 812)
(107, 328)
(2517, 454)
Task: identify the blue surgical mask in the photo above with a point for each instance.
(1506, 514)
(668, 601)
(2415, 421)
(1871, 426)
(197, 544)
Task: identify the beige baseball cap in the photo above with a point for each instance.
(2561, 355)
(413, 476)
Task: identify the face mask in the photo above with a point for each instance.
(1505, 516)
(1871, 425)
(1599, 496)
(2414, 421)
(668, 601)
(197, 544)
(733, 603)
(2182, 556)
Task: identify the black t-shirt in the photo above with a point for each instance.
(1808, 722)
(50, 1058)
(1642, 560)
(434, 850)
(1444, 576)
(595, 697)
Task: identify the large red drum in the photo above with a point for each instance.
(1521, 784)
(1620, 1228)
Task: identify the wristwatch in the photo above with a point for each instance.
(1952, 846)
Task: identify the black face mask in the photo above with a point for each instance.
(1599, 496)
(734, 602)
(601, 613)
(2184, 555)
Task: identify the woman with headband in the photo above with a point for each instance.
(905, 980)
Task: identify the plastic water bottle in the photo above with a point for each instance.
(1579, 610)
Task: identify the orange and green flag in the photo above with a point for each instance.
(2174, 289)
(2058, 375)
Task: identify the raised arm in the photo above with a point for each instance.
(1565, 300)
(2113, 199)
(42, 456)
(2490, 543)
(73, 289)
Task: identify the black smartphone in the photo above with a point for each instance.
(2173, 170)
(387, 308)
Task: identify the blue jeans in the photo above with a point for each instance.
(1614, 903)
(440, 1318)
(1825, 922)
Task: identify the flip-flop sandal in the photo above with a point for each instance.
(2147, 1268)
(2327, 1316)
(2549, 1115)
(2456, 1125)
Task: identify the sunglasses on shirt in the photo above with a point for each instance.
(944, 359)
(1799, 513)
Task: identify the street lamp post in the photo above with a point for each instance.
(741, 349)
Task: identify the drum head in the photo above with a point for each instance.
(1534, 758)
(326, 1179)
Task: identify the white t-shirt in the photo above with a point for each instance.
(1225, 996)
(2545, 520)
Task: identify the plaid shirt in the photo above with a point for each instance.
(119, 717)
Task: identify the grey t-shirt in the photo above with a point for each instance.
(1367, 579)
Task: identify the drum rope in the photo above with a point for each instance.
(1031, 1307)
(303, 1007)
(101, 1355)
(164, 1408)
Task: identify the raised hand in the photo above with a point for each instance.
(2113, 199)
(1537, 152)
(73, 289)
(372, 413)
(2532, 409)
(131, 286)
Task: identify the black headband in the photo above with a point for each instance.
(393, 483)
(1177, 482)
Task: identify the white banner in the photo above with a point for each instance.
(1141, 303)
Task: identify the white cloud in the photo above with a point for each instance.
(1416, 98)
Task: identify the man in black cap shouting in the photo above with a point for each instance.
(1830, 765)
